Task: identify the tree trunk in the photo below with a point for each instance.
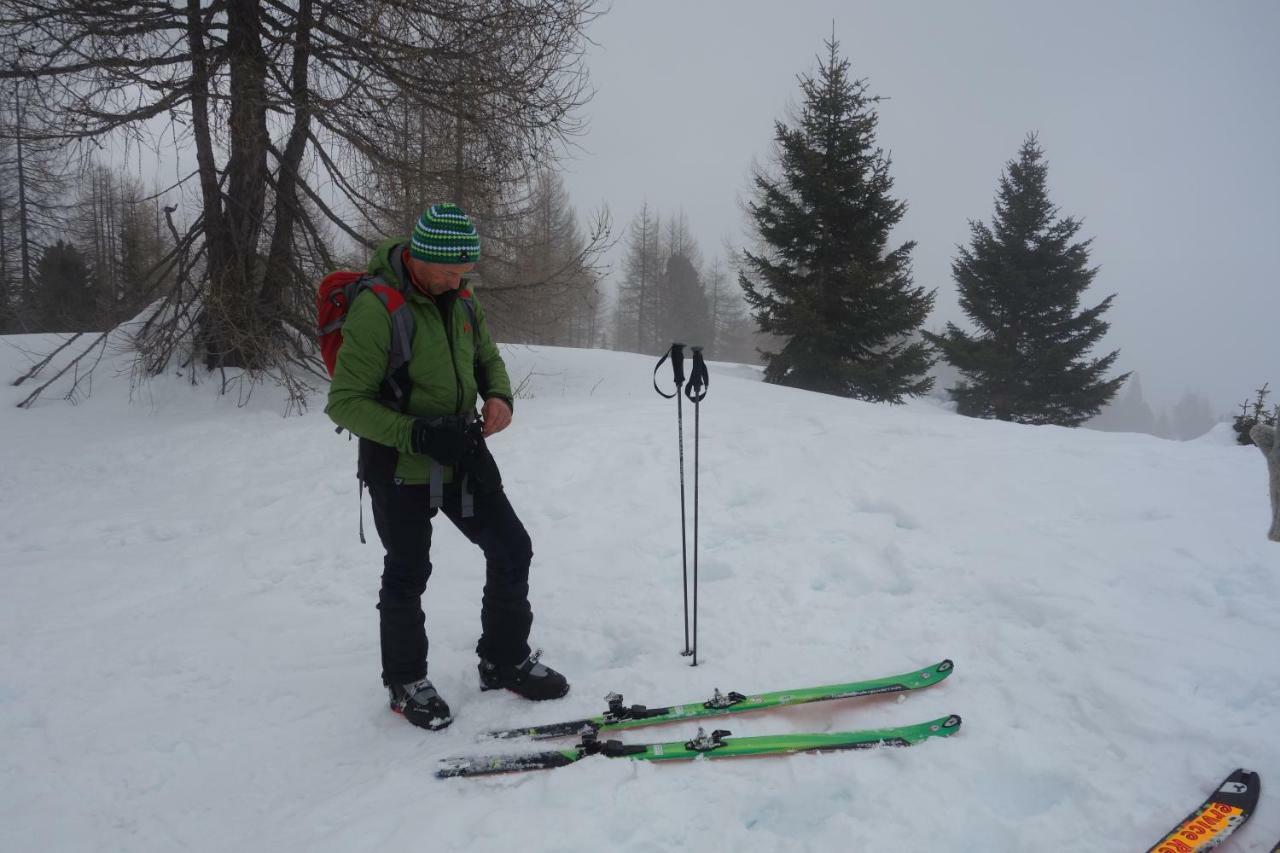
(24, 237)
(279, 267)
(229, 325)
(1267, 439)
(210, 189)
(236, 309)
(8, 309)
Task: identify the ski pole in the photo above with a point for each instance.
(676, 354)
(696, 390)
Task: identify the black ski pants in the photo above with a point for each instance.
(403, 516)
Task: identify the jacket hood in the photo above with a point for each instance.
(388, 262)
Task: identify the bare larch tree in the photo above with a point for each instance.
(33, 178)
(280, 100)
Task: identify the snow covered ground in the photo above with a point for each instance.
(188, 640)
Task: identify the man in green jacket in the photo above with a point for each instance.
(422, 451)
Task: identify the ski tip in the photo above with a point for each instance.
(946, 725)
(1243, 786)
(933, 674)
(1225, 811)
(1242, 775)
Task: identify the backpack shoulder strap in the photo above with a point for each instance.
(400, 347)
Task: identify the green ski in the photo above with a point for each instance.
(716, 745)
(620, 716)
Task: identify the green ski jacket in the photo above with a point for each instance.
(450, 368)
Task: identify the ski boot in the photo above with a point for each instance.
(420, 703)
(529, 679)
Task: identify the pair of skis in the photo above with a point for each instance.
(1224, 812)
(718, 744)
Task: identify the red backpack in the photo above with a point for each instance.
(338, 291)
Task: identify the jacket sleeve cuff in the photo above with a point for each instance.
(504, 398)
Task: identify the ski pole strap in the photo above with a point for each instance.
(699, 379)
(676, 354)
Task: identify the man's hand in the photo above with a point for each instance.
(441, 438)
(497, 416)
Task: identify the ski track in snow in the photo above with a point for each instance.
(189, 640)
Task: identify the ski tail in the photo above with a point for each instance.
(1225, 811)
(487, 765)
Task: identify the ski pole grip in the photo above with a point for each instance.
(676, 354)
(699, 379)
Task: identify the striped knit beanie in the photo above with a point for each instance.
(445, 235)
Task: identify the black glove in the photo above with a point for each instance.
(479, 462)
(444, 439)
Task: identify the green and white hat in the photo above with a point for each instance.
(445, 235)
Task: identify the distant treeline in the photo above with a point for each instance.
(311, 131)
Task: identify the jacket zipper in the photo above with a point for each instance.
(453, 356)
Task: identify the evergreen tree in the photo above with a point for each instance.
(1021, 282)
(686, 314)
(1127, 412)
(683, 311)
(65, 291)
(1192, 416)
(823, 280)
(1253, 413)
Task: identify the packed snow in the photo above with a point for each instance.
(189, 650)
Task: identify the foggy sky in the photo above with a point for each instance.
(1160, 122)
